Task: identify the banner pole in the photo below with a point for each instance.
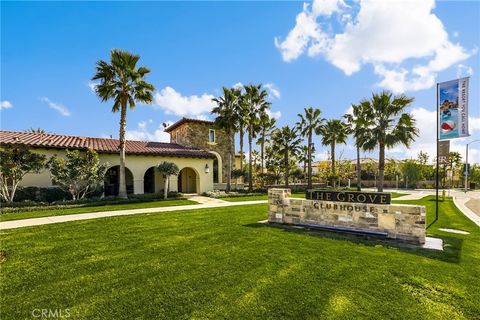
(437, 175)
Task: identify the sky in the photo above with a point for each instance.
(326, 54)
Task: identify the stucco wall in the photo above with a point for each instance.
(138, 165)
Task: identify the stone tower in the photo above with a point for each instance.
(204, 135)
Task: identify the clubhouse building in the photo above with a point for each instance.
(197, 147)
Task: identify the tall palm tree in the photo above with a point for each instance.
(225, 110)
(305, 154)
(255, 104)
(307, 125)
(123, 82)
(286, 141)
(388, 125)
(333, 132)
(266, 125)
(241, 121)
(357, 123)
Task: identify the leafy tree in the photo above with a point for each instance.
(308, 124)
(76, 173)
(357, 122)
(333, 132)
(454, 164)
(297, 174)
(237, 174)
(286, 142)
(225, 110)
(255, 104)
(15, 162)
(412, 173)
(274, 164)
(422, 158)
(387, 126)
(167, 169)
(123, 82)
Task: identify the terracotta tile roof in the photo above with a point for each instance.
(184, 120)
(100, 145)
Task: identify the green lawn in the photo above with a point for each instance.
(221, 263)
(294, 195)
(86, 209)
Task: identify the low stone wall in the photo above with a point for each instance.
(397, 221)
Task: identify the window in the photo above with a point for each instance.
(211, 136)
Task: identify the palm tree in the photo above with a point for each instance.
(333, 132)
(357, 122)
(305, 154)
(388, 125)
(227, 119)
(286, 141)
(255, 104)
(167, 169)
(266, 125)
(123, 82)
(241, 122)
(36, 130)
(307, 125)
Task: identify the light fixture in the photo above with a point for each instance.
(207, 168)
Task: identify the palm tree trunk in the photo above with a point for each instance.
(241, 147)
(250, 176)
(309, 161)
(262, 146)
(122, 188)
(332, 146)
(381, 167)
(286, 168)
(359, 171)
(229, 160)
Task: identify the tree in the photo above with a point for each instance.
(308, 124)
(255, 105)
(167, 169)
(454, 163)
(412, 173)
(123, 82)
(387, 125)
(36, 130)
(333, 132)
(273, 163)
(15, 163)
(76, 173)
(422, 158)
(236, 174)
(266, 126)
(227, 119)
(357, 122)
(286, 142)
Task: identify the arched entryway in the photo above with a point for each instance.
(217, 168)
(188, 181)
(112, 179)
(149, 180)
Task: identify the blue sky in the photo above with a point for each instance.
(49, 50)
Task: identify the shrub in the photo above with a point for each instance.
(41, 194)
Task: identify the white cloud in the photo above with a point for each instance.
(464, 71)
(56, 106)
(5, 104)
(143, 134)
(456, 34)
(238, 85)
(385, 34)
(175, 103)
(273, 90)
(274, 114)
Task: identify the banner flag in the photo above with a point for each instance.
(453, 109)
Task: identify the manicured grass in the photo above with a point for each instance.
(86, 209)
(222, 263)
(294, 195)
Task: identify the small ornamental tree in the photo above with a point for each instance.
(76, 173)
(167, 169)
(15, 163)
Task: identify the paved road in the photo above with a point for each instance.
(204, 203)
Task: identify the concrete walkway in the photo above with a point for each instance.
(204, 203)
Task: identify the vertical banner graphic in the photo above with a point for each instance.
(453, 109)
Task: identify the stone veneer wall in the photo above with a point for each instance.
(399, 221)
(195, 134)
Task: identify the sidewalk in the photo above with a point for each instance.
(204, 203)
